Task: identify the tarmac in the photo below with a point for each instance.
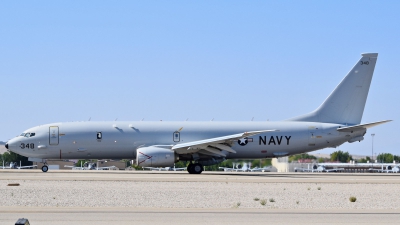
(208, 182)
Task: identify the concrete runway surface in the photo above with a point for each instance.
(142, 215)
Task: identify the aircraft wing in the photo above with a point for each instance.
(264, 169)
(226, 169)
(76, 167)
(215, 146)
(304, 170)
(334, 170)
(147, 168)
(378, 170)
(26, 167)
(69, 166)
(362, 126)
(156, 168)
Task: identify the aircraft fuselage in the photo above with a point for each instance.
(90, 140)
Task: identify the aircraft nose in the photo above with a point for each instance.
(6, 145)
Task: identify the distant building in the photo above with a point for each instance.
(305, 160)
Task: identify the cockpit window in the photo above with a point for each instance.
(23, 134)
(32, 134)
(27, 134)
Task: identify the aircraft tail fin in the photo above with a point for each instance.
(345, 105)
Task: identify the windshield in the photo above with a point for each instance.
(28, 134)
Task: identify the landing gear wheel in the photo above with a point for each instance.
(197, 168)
(190, 168)
(45, 168)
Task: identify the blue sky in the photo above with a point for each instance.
(172, 60)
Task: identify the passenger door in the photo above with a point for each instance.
(53, 135)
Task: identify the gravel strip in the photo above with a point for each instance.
(44, 193)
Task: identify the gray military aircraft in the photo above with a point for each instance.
(160, 144)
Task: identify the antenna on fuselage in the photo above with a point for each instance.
(142, 119)
(212, 119)
(116, 119)
(89, 118)
(252, 118)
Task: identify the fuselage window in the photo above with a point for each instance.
(27, 134)
(32, 134)
(23, 134)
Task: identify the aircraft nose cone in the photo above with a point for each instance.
(6, 146)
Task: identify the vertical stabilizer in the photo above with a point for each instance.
(345, 105)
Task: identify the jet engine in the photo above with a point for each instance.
(155, 156)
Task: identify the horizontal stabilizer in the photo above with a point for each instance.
(362, 126)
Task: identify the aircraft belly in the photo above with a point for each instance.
(99, 152)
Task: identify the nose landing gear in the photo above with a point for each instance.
(45, 168)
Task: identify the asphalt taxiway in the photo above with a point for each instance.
(106, 216)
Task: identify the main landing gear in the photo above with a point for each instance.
(195, 168)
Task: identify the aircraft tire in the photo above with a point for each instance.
(190, 168)
(197, 168)
(45, 168)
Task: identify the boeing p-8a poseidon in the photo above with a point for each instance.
(159, 144)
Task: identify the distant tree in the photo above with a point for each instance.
(227, 163)
(8, 157)
(180, 164)
(385, 158)
(364, 160)
(294, 158)
(321, 160)
(78, 164)
(341, 156)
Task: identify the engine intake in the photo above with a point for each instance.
(154, 156)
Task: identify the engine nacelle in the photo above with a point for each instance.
(154, 156)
